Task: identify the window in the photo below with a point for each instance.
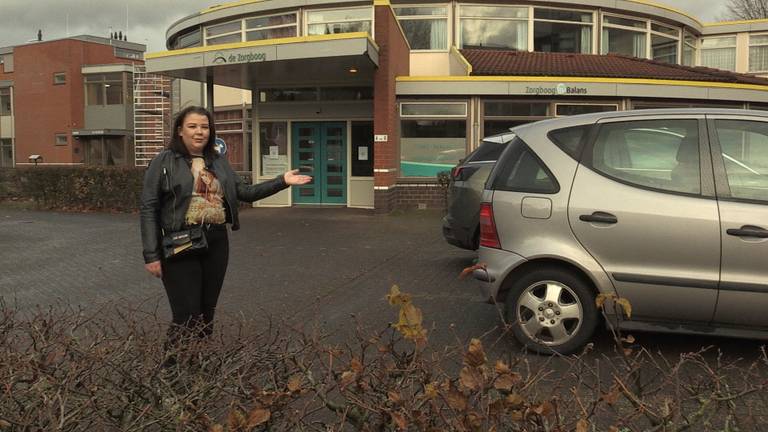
(433, 137)
(129, 54)
(61, 139)
(6, 152)
(758, 53)
(362, 148)
(5, 102)
(500, 116)
(59, 78)
(664, 43)
(660, 154)
(719, 53)
(106, 151)
(271, 27)
(576, 109)
(744, 145)
(494, 27)
(689, 50)
(570, 140)
(624, 36)
(224, 33)
(556, 30)
(523, 171)
(333, 21)
(273, 142)
(104, 89)
(316, 94)
(425, 27)
(488, 151)
(188, 40)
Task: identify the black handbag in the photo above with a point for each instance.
(184, 242)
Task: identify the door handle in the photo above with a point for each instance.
(600, 217)
(748, 231)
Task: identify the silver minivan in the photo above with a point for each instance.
(665, 208)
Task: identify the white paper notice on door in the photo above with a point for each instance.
(362, 153)
(274, 152)
(273, 167)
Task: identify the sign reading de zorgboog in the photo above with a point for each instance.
(245, 55)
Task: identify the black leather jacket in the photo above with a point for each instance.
(168, 190)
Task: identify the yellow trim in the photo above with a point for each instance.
(381, 3)
(251, 44)
(582, 80)
(669, 8)
(462, 59)
(752, 21)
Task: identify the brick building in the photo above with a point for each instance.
(68, 101)
(375, 98)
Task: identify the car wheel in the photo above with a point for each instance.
(551, 310)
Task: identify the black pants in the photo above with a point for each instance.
(193, 284)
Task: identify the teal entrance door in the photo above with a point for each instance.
(319, 150)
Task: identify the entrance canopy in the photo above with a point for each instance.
(316, 60)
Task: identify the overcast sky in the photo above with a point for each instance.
(149, 19)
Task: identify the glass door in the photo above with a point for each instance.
(319, 150)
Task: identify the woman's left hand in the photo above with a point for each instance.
(294, 178)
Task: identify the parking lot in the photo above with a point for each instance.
(306, 265)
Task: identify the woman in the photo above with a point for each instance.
(189, 186)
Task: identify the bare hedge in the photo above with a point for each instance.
(67, 370)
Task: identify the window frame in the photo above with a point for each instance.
(505, 161)
(756, 45)
(716, 151)
(644, 30)
(206, 38)
(483, 117)
(447, 18)
(103, 82)
(706, 175)
(652, 32)
(557, 104)
(5, 163)
(528, 20)
(433, 116)
(306, 24)
(295, 25)
(59, 78)
(703, 49)
(592, 24)
(57, 138)
(5, 92)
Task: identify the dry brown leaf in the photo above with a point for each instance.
(471, 378)
(356, 365)
(516, 415)
(235, 419)
(456, 399)
(501, 367)
(430, 390)
(627, 352)
(601, 298)
(347, 378)
(467, 271)
(544, 409)
(612, 396)
(258, 416)
(475, 355)
(474, 420)
(506, 381)
(514, 400)
(394, 396)
(613, 429)
(294, 383)
(399, 420)
(626, 306)
(216, 428)
(582, 425)
(629, 339)
(395, 297)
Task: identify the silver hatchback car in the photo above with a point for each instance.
(666, 208)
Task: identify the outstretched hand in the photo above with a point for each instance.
(294, 178)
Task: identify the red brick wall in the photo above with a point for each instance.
(42, 109)
(419, 196)
(394, 61)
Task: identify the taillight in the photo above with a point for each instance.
(456, 172)
(488, 235)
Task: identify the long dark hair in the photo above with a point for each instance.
(177, 144)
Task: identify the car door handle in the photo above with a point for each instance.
(748, 231)
(601, 217)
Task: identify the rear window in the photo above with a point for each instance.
(570, 140)
(487, 152)
(522, 171)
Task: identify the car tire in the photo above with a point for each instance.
(551, 310)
